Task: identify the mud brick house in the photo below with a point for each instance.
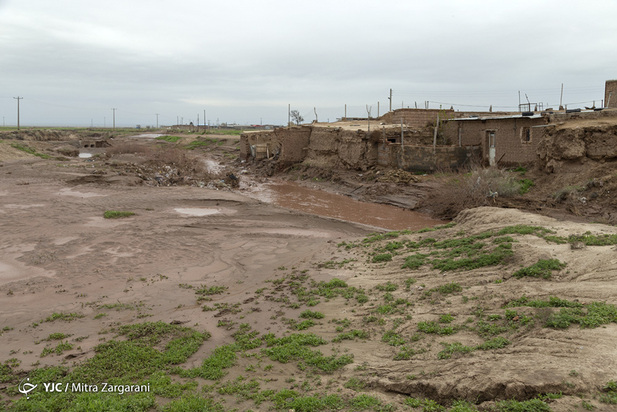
(511, 139)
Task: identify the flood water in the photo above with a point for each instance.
(296, 197)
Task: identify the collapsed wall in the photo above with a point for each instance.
(288, 145)
(335, 147)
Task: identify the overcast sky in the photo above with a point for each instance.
(245, 61)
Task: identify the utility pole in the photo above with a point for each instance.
(113, 109)
(18, 99)
(157, 120)
(390, 98)
(561, 98)
(205, 120)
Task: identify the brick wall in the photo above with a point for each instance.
(416, 118)
(510, 144)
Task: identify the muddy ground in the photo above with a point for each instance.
(199, 253)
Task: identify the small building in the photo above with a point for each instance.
(511, 139)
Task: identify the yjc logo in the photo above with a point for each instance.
(26, 387)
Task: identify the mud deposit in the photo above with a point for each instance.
(301, 198)
(222, 302)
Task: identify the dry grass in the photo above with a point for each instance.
(479, 187)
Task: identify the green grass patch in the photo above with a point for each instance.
(170, 139)
(532, 405)
(542, 268)
(309, 314)
(525, 185)
(30, 150)
(115, 214)
(296, 347)
(594, 240)
(204, 290)
(148, 353)
(66, 317)
(433, 327)
(382, 257)
(351, 335)
(61, 347)
(387, 287)
(392, 338)
(415, 261)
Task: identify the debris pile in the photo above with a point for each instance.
(398, 176)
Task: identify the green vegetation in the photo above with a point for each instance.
(61, 347)
(114, 214)
(610, 393)
(203, 290)
(296, 347)
(542, 268)
(29, 150)
(456, 347)
(433, 327)
(134, 361)
(309, 314)
(351, 335)
(67, 317)
(170, 139)
(201, 142)
(526, 184)
(532, 405)
(383, 257)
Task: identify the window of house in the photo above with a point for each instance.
(526, 135)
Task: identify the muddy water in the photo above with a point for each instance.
(293, 196)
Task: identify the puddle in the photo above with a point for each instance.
(74, 193)
(149, 135)
(85, 155)
(296, 197)
(195, 211)
(15, 206)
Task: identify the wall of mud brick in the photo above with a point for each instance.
(425, 158)
(510, 146)
(416, 118)
(330, 147)
(290, 144)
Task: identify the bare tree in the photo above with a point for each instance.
(295, 115)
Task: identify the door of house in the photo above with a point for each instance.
(490, 145)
